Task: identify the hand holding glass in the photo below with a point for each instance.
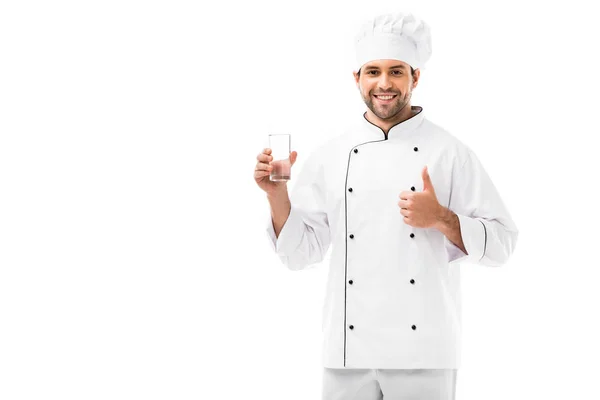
(280, 145)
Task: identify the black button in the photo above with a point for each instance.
(351, 326)
(350, 190)
(350, 281)
(351, 236)
(416, 149)
(412, 281)
(356, 150)
(412, 235)
(412, 188)
(414, 327)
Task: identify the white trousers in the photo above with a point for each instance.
(389, 384)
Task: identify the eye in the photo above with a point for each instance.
(368, 72)
(398, 72)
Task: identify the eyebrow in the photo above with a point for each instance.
(395, 66)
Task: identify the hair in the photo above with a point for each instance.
(412, 72)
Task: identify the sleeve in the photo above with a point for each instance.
(487, 229)
(305, 236)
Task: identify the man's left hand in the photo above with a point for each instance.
(421, 209)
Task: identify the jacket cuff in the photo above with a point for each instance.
(288, 240)
(474, 237)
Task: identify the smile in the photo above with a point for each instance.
(384, 99)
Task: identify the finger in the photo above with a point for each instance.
(264, 157)
(403, 204)
(404, 195)
(263, 167)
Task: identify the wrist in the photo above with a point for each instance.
(443, 218)
(278, 193)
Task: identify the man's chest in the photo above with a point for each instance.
(380, 170)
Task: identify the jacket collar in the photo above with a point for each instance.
(398, 131)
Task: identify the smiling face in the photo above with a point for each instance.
(386, 88)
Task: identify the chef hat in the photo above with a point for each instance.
(399, 36)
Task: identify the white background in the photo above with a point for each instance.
(134, 262)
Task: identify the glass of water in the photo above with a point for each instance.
(280, 145)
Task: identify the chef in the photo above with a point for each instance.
(403, 203)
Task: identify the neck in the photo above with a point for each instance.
(386, 124)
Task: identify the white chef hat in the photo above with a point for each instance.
(399, 36)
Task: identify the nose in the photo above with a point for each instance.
(384, 82)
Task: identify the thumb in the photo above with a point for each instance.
(293, 156)
(427, 185)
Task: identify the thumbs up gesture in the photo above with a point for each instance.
(421, 209)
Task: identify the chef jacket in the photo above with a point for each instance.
(393, 291)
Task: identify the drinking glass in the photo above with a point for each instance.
(280, 145)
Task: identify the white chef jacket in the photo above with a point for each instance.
(393, 292)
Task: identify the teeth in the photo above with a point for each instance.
(384, 97)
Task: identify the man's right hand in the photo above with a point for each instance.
(263, 171)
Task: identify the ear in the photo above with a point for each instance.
(356, 77)
(416, 77)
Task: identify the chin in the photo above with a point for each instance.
(385, 115)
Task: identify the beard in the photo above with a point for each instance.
(387, 111)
